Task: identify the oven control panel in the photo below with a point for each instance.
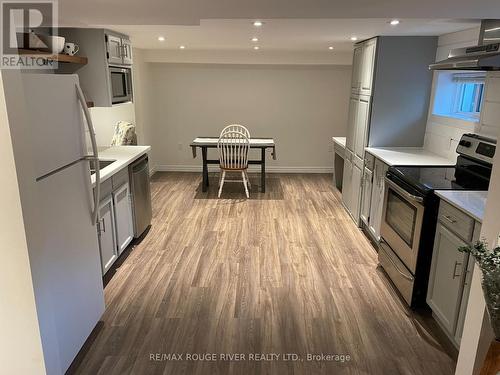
(478, 147)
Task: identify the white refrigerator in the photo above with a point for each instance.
(60, 210)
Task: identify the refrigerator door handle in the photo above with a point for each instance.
(95, 154)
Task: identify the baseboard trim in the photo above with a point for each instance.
(252, 168)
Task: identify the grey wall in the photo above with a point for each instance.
(302, 107)
(402, 90)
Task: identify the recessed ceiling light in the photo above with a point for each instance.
(354, 38)
(394, 22)
(256, 47)
(182, 47)
(161, 38)
(330, 48)
(255, 39)
(258, 23)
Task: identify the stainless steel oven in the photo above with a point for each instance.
(402, 221)
(121, 84)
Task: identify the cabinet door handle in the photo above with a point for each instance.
(450, 219)
(457, 263)
(103, 225)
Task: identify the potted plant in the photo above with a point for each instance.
(489, 263)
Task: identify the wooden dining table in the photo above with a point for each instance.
(204, 143)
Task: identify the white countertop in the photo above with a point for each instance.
(470, 202)
(408, 156)
(339, 140)
(124, 155)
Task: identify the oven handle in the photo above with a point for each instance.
(399, 189)
(383, 244)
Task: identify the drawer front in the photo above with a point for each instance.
(106, 189)
(120, 178)
(369, 161)
(457, 221)
(397, 271)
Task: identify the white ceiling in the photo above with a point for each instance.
(177, 12)
(281, 34)
(290, 24)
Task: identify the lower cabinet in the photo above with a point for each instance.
(123, 217)
(106, 234)
(351, 185)
(446, 279)
(115, 227)
(366, 196)
(377, 198)
(451, 270)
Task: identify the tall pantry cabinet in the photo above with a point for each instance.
(390, 92)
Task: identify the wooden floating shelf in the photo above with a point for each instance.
(62, 58)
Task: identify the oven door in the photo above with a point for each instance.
(121, 84)
(402, 222)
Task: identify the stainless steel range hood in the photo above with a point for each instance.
(484, 56)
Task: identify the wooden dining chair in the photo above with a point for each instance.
(243, 129)
(237, 128)
(233, 146)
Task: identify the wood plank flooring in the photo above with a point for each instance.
(283, 272)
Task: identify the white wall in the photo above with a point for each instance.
(20, 343)
(302, 107)
(262, 56)
(105, 119)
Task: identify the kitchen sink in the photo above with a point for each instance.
(102, 164)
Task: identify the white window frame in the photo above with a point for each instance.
(450, 114)
(459, 98)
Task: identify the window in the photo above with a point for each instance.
(459, 95)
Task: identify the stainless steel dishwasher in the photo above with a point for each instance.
(141, 195)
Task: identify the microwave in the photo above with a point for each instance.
(121, 84)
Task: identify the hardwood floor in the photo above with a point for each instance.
(283, 272)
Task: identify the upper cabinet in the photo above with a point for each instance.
(363, 67)
(119, 49)
(106, 51)
(368, 63)
(356, 69)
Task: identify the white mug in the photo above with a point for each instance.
(71, 49)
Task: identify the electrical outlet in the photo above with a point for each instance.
(179, 146)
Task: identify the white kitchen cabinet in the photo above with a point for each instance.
(123, 217)
(446, 280)
(361, 124)
(377, 199)
(106, 234)
(366, 196)
(465, 300)
(347, 181)
(351, 192)
(114, 49)
(351, 123)
(357, 62)
(451, 272)
(367, 66)
(127, 51)
(356, 193)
